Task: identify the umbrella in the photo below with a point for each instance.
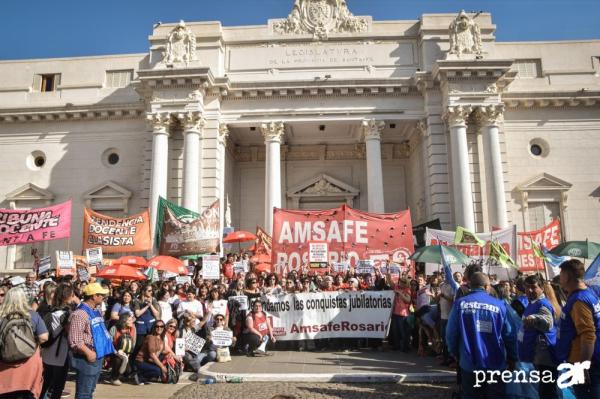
(577, 249)
(120, 272)
(239, 236)
(433, 254)
(132, 261)
(168, 264)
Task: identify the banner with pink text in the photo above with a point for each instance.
(34, 225)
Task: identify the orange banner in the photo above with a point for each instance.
(116, 235)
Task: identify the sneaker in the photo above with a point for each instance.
(65, 394)
(116, 382)
(136, 380)
(259, 353)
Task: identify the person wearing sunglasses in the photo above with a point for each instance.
(146, 311)
(147, 362)
(219, 324)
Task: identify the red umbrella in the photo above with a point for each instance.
(168, 264)
(263, 267)
(132, 261)
(239, 236)
(120, 272)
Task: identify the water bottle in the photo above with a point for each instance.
(235, 380)
(209, 381)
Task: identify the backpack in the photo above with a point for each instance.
(47, 317)
(125, 343)
(17, 341)
(174, 370)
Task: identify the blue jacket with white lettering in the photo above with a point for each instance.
(479, 332)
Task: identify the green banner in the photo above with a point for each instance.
(179, 212)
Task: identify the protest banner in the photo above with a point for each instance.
(548, 236)
(219, 307)
(351, 235)
(329, 314)
(65, 263)
(45, 265)
(242, 300)
(116, 235)
(34, 225)
(211, 266)
(194, 343)
(184, 235)
(420, 230)
(507, 238)
(179, 347)
(220, 337)
(94, 258)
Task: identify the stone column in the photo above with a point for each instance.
(491, 116)
(273, 133)
(461, 175)
(160, 162)
(372, 131)
(222, 149)
(192, 160)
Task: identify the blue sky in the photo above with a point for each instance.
(64, 28)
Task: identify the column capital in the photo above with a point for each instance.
(421, 128)
(159, 122)
(372, 128)
(223, 133)
(273, 131)
(457, 115)
(490, 115)
(192, 122)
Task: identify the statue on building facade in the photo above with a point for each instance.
(320, 18)
(181, 45)
(465, 36)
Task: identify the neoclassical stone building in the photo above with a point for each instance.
(318, 109)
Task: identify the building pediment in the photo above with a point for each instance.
(30, 192)
(323, 186)
(108, 190)
(545, 182)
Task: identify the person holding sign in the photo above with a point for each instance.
(217, 347)
(192, 359)
(258, 329)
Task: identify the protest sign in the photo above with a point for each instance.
(94, 257)
(83, 274)
(219, 307)
(242, 300)
(17, 280)
(365, 267)
(45, 264)
(240, 267)
(183, 234)
(221, 337)
(65, 263)
(34, 225)
(329, 314)
(351, 235)
(318, 256)
(116, 235)
(194, 343)
(548, 236)
(179, 347)
(211, 267)
(340, 267)
(183, 280)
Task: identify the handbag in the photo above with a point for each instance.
(223, 355)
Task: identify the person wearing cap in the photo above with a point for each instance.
(89, 341)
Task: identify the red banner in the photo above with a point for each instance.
(549, 236)
(352, 235)
(40, 224)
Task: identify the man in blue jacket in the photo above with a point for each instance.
(480, 336)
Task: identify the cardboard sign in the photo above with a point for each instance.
(83, 274)
(179, 347)
(65, 262)
(183, 280)
(194, 343)
(34, 225)
(318, 252)
(364, 267)
(221, 337)
(94, 257)
(211, 267)
(45, 264)
(340, 267)
(241, 267)
(18, 280)
(242, 300)
(219, 307)
(116, 235)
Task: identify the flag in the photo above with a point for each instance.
(464, 236)
(497, 252)
(542, 252)
(151, 274)
(448, 271)
(592, 275)
(180, 212)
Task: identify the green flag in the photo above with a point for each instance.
(464, 236)
(497, 252)
(537, 251)
(179, 212)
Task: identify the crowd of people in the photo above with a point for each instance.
(129, 329)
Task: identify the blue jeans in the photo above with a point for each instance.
(86, 376)
(147, 371)
(591, 390)
(495, 390)
(401, 333)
